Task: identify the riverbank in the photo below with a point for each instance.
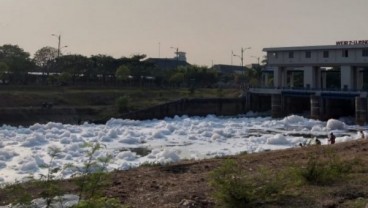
(28, 105)
(186, 184)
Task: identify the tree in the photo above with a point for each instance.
(122, 73)
(17, 60)
(43, 56)
(177, 79)
(139, 69)
(103, 65)
(4, 70)
(75, 65)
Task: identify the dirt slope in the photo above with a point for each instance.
(175, 185)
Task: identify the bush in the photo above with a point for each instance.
(235, 187)
(122, 104)
(325, 170)
(23, 197)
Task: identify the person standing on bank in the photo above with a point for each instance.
(362, 136)
(332, 138)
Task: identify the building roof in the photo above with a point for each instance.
(228, 69)
(321, 47)
(167, 63)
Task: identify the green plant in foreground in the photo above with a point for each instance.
(325, 170)
(235, 187)
(48, 183)
(23, 197)
(101, 202)
(92, 176)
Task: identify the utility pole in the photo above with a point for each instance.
(242, 54)
(242, 50)
(59, 42)
(232, 54)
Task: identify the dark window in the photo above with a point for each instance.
(291, 54)
(325, 54)
(345, 53)
(307, 54)
(365, 52)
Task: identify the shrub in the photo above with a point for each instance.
(101, 202)
(235, 187)
(47, 182)
(122, 103)
(325, 170)
(23, 197)
(92, 176)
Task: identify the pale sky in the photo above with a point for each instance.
(207, 30)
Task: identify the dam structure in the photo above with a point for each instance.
(321, 82)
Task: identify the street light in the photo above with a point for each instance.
(256, 57)
(59, 41)
(241, 59)
(242, 50)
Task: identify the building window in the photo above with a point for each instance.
(308, 54)
(345, 53)
(325, 54)
(365, 52)
(291, 54)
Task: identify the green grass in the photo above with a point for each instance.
(235, 185)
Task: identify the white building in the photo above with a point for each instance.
(328, 81)
(316, 61)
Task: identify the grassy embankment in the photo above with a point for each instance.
(23, 104)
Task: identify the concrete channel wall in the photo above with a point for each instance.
(192, 107)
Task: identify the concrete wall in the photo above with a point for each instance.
(192, 107)
(32, 115)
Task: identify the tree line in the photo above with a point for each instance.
(48, 67)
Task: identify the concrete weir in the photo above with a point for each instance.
(276, 106)
(315, 106)
(318, 107)
(360, 110)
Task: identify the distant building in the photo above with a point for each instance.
(325, 81)
(170, 63)
(316, 62)
(167, 63)
(229, 69)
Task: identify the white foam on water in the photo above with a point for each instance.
(23, 151)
